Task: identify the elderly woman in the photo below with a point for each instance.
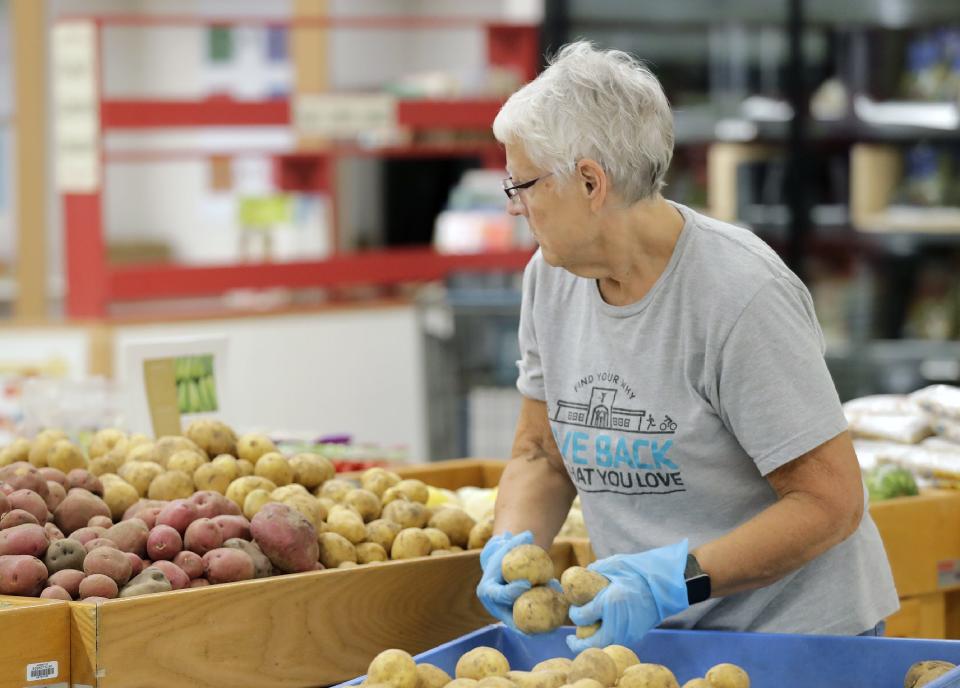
(673, 377)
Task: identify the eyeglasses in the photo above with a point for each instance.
(512, 189)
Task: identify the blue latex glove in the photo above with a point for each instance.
(644, 590)
(496, 594)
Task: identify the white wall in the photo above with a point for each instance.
(353, 371)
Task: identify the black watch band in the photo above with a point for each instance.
(698, 582)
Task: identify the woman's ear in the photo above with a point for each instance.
(593, 181)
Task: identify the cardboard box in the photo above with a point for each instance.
(34, 643)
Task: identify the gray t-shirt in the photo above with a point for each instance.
(670, 411)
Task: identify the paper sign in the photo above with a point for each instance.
(329, 115)
(75, 106)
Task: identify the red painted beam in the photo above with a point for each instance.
(85, 256)
(448, 114)
(396, 266)
(213, 112)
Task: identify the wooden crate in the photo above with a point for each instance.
(456, 473)
(296, 631)
(34, 632)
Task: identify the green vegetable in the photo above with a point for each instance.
(887, 481)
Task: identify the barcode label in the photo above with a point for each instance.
(42, 670)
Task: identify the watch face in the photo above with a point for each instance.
(698, 588)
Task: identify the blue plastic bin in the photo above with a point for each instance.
(773, 661)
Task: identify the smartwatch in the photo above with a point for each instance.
(698, 581)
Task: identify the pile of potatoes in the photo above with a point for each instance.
(137, 516)
(922, 673)
(486, 667)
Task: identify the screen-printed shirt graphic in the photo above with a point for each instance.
(670, 413)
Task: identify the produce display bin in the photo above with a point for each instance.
(455, 473)
(34, 643)
(783, 661)
(296, 631)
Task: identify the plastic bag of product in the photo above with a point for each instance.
(937, 443)
(942, 401)
(937, 466)
(887, 481)
(904, 428)
(872, 452)
(879, 404)
(945, 428)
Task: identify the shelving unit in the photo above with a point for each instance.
(94, 283)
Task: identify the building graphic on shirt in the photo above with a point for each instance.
(599, 412)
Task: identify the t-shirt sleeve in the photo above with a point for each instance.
(530, 378)
(774, 390)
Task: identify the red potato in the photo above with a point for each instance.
(98, 585)
(77, 508)
(199, 583)
(262, 567)
(95, 599)
(55, 592)
(100, 542)
(100, 522)
(64, 554)
(4, 503)
(29, 501)
(110, 562)
(53, 533)
(136, 563)
(55, 495)
(87, 534)
(17, 517)
(225, 565)
(141, 504)
(54, 475)
(21, 574)
(190, 563)
(164, 543)
(24, 476)
(202, 536)
(233, 526)
(149, 516)
(80, 477)
(130, 536)
(178, 514)
(287, 538)
(69, 580)
(177, 576)
(6, 488)
(210, 504)
(28, 539)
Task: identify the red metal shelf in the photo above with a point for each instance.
(212, 112)
(448, 114)
(151, 281)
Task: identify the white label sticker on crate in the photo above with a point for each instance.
(343, 115)
(948, 573)
(42, 671)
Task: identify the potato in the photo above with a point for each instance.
(538, 679)
(177, 576)
(150, 580)
(52, 474)
(252, 445)
(410, 543)
(495, 682)
(64, 554)
(178, 514)
(334, 549)
(55, 592)
(190, 563)
(227, 565)
(922, 673)
(596, 664)
(202, 536)
(438, 539)
(140, 474)
(213, 437)
(455, 522)
(480, 533)
(77, 508)
(727, 676)
(648, 676)
(406, 514)
(395, 668)
(289, 490)
(66, 456)
(463, 683)
(163, 542)
(254, 501)
(307, 505)
(118, 494)
(311, 470)
(85, 535)
(187, 461)
(482, 662)
(169, 445)
(171, 485)
(136, 563)
(91, 545)
(55, 495)
(18, 450)
(274, 467)
(233, 526)
(262, 568)
(394, 494)
(239, 489)
(244, 468)
(104, 441)
(211, 504)
(17, 517)
(347, 524)
(23, 476)
(365, 502)
(212, 478)
(81, 477)
(100, 522)
(146, 452)
(370, 551)
(287, 538)
(109, 562)
(142, 505)
(697, 683)
(580, 585)
(199, 583)
(527, 562)
(99, 585)
(430, 676)
(130, 536)
(230, 466)
(416, 490)
(378, 480)
(42, 445)
(588, 631)
(108, 463)
(382, 532)
(336, 489)
(539, 610)
(69, 579)
(29, 501)
(622, 656)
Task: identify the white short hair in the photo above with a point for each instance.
(600, 104)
